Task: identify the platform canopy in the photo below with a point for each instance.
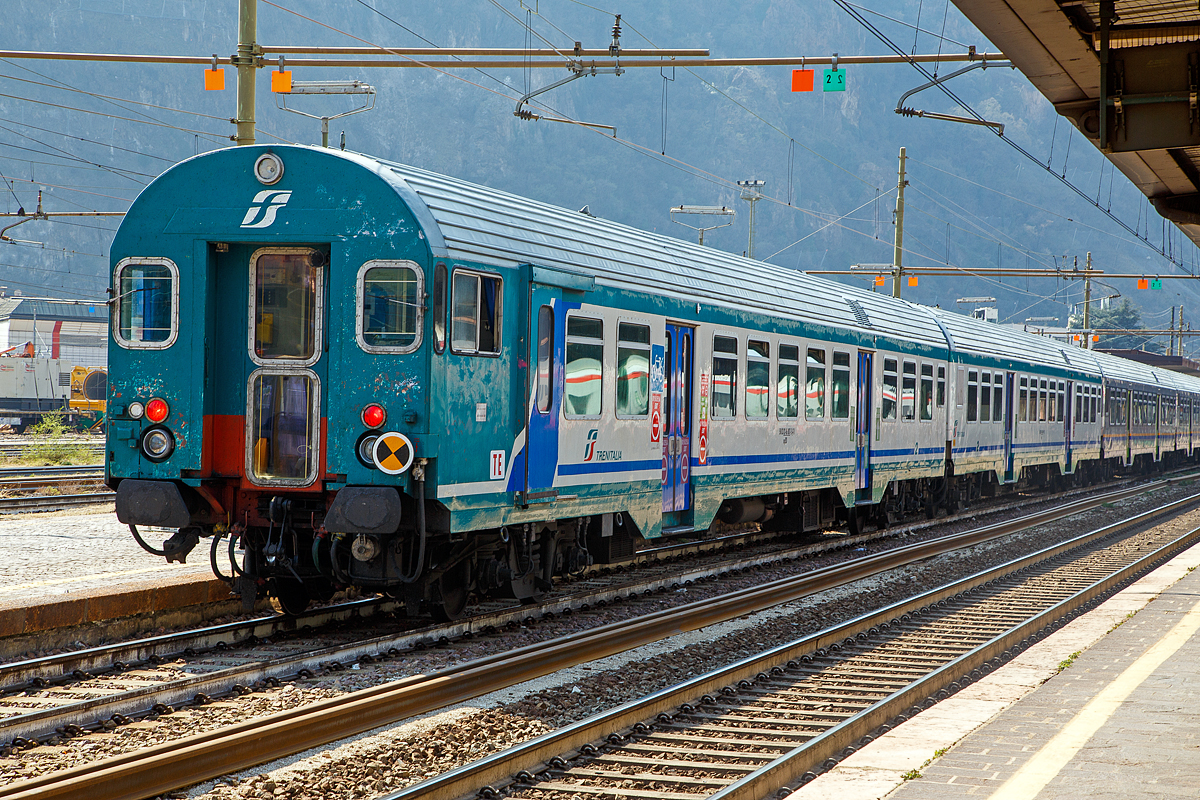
(1126, 72)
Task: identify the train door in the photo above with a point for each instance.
(862, 437)
(269, 338)
(1127, 401)
(1067, 417)
(547, 318)
(1009, 402)
(677, 427)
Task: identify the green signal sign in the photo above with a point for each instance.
(1156, 284)
(835, 80)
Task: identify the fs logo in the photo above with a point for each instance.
(589, 449)
(268, 201)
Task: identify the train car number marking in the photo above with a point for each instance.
(497, 465)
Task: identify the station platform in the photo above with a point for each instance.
(65, 578)
(1106, 707)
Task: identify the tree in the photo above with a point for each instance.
(1125, 316)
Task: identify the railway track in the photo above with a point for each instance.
(760, 727)
(12, 449)
(191, 760)
(127, 680)
(53, 502)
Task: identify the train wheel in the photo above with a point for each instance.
(292, 596)
(930, 505)
(450, 593)
(854, 521)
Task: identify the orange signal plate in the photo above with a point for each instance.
(281, 82)
(214, 80)
(912, 280)
(802, 80)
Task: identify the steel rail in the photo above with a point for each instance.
(532, 756)
(203, 756)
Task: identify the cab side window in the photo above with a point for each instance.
(476, 325)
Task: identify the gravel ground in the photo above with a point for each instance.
(384, 760)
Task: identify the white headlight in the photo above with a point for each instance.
(136, 410)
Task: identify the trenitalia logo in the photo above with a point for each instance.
(589, 450)
(268, 202)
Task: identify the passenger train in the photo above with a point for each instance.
(345, 371)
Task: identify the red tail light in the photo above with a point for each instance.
(157, 410)
(373, 416)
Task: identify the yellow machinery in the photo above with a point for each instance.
(89, 389)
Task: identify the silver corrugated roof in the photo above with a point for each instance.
(485, 225)
(480, 224)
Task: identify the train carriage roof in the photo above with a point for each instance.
(481, 224)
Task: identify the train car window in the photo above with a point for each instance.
(960, 387)
(287, 284)
(146, 303)
(925, 400)
(147, 315)
(891, 389)
(998, 397)
(1095, 404)
(390, 307)
(1152, 407)
(284, 424)
(1023, 399)
(1062, 401)
(941, 387)
(545, 352)
(477, 302)
(758, 379)
(985, 397)
(724, 380)
(814, 385)
(1042, 402)
(633, 370)
(840, 400)
(908, 392)
(1079, 405)
(584, 371)
(439, 308)
(972, 396)
(787, 393)
(1050, 402)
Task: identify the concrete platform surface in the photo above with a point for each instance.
(61, 570)
(1120, 720)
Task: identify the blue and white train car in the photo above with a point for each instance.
(369, 374)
